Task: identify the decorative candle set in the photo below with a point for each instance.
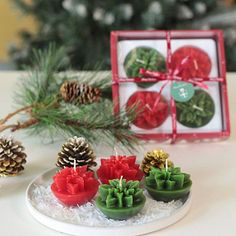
(177, 83)
(120, 194)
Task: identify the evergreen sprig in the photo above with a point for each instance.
(45, 112)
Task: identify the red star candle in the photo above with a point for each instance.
(74, 186)
(152, 106)
(117, 166)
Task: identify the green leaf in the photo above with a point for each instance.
(186, 178)
(133, 184)
(111, 202)
(103, 191)
(160, 184)
(176, 170)
(129, 201)
(114, 183)
(150, 181)
(119, 199)
(179, 180)
(138, 194)
(170, 185)
(189, 117)
(130, 191)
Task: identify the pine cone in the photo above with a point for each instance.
(76, 149)
(155, 158)
(76, 93)
(12, 157)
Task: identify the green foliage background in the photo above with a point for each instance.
(83, 26)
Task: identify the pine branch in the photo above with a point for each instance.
(19, 125)
(10, 115)
(89, 121)
(38, 85)
(46, 112)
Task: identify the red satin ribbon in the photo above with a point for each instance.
(174, 75)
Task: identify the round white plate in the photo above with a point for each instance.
(45, 208)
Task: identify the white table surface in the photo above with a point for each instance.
(211, 165)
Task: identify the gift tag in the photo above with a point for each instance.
(181, 91)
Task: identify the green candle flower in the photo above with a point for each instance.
(143, 57)
(196, 112)
(120, 199)
(167, 184)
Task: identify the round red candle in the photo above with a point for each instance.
(199, 64)
(74, 186)
(117, 166)
(152, 108)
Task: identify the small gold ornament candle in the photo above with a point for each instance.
(155, 158)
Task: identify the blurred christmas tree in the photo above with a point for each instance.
(83, 27)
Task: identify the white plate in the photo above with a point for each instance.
(44, 207)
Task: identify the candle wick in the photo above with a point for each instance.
(75, 165)
(195, 64)
(149, 108)
(121, 181)
(140, 61)
(197, 108)
(116, 153)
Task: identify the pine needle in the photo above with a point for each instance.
(39, 89)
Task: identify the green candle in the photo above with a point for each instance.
(119, 199)
(196, 112)
(143, 57)
(167, 184)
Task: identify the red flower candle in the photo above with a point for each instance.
(117, 166)
(74, 186)
(152, 107)
(199, 64)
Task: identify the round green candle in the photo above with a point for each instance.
(168, 184)
(143, 57)
(119, 199)
(196, 112)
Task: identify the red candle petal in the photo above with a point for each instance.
(75, 184)
(89, 183)
(131, 160)
(60, 183)
(88, 174)
(117, 174)
(130, 174)
(81, 170)
(64, 172)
